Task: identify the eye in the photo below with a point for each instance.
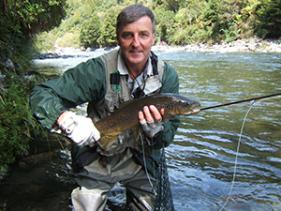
(144, 34)
(126, 35)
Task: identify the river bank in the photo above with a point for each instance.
(254, 45)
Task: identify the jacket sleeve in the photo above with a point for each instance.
(83, 83)
(170, 84)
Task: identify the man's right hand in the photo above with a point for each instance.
(79, 129)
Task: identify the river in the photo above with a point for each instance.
(207, 147)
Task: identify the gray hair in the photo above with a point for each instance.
(131, 14)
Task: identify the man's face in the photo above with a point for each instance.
(135, 40)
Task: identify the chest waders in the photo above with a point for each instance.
(118, 92)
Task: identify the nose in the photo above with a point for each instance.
(136, 40)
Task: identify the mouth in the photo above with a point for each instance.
(195, 110)
(135, 52)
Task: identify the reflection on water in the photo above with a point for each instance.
(202, 157)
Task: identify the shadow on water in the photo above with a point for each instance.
(202, 157)
(37, 185)
(44, 182)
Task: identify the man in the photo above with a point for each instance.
(135, 161)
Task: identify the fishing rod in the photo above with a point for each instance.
(241, 101)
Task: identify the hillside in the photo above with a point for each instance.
(91, 23)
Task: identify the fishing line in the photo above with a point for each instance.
(236, 156)
(145, 167)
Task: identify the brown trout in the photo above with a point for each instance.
(126, 116)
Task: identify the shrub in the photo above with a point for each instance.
(69, 39)
(269, 19)
(90, 32)
(17, 127)
(165, 22)
(44, 41)
(107, 30)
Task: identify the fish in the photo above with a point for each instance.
(126, 116)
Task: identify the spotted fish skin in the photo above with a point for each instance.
(126, 116)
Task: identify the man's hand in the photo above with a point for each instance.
(79, 129)
(151, 120)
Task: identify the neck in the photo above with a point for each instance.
(134, 74)
(135, 69)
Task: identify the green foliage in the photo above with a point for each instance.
(21, 19)
(82, 26)
(190, 26)
(165, 22)
(71, 36)
(17, 127)
(178, 21)
(90, 32)
(107, 35)
(34, 15)
(44, 41)
(269, 19)
(248, 18)
(30, 16)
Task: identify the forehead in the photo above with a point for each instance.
(142, 24)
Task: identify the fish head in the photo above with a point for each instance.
(181, 105)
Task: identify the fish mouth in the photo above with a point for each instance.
(195, 110)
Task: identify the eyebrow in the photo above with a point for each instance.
(130, 32)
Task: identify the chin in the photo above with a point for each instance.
(136, 60)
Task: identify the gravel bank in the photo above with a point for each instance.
(245, 45)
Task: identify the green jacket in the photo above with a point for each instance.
(87, 83)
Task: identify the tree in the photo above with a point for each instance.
(90, 32)
(107, 30)
(268, 23)
(21, 19)
(165, 21)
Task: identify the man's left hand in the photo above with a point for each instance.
(150, 119)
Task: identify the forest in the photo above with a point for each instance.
(29, 27)
(91, 23)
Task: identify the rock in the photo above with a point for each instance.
(47, 56)
(243, 45)
(2, 79)
(33, 160)
(8, 65)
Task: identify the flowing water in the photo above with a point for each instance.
(202, 157)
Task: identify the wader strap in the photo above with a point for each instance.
(154, 62)
(115, 81)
